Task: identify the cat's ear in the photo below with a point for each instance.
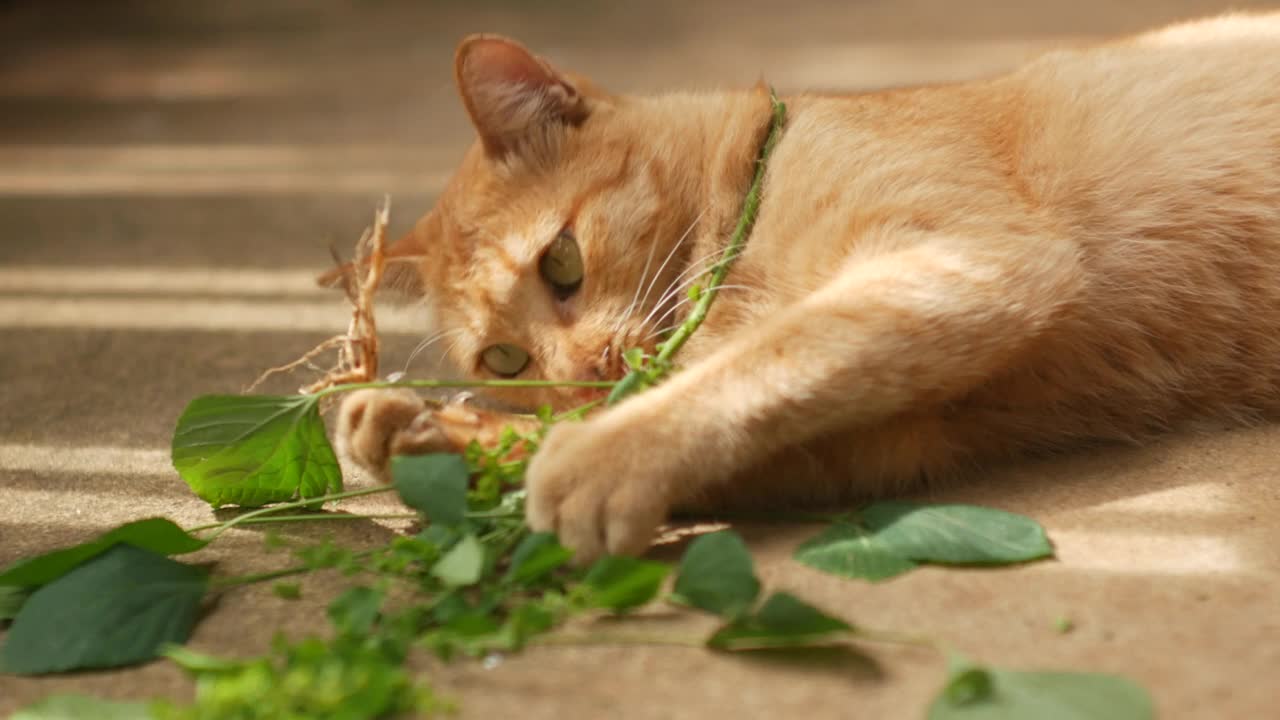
(510, 92)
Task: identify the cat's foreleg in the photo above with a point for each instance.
(920, 325)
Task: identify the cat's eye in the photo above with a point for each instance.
(505, 359)
(561, 265)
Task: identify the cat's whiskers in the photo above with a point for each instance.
(447, 351)
(670, 255)
(428, 342)
(691, 275)
(678, 287)
(626, 314)
(623, 336)
(686, 301)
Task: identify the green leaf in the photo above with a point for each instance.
(622, 583)
(79, 707)
(969, 686)
(957, 534)
(158, 535)
(253, 450)
(117, 609)
(890, 538)
(201, 663)
(11, 601)
(536, 556)
(991, 694)
(718, 575)
(433, 484)
(783, 621)
(463, 565)
(526, 621)
(355, 611)
(848, 550)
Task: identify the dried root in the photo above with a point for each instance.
(357, 360)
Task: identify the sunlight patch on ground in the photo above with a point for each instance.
(83, 459)
(1190, 499)
(220, 169)
(179, 281)
(319, 316)
(1147, 553)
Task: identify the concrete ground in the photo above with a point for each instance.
(170, 177)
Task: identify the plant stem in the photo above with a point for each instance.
(597, 384)
(238, 580)
(219, 528)
(491, 515)
(765, 518)
(637, 379)
(616, 638)
(314, 517)
(230, 582)
(578, 412)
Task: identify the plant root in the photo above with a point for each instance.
(357, 360)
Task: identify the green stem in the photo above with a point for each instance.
(637, 379)
(237, 581)
(490, 515)
(616, 638)
(597, 384)
(765, 518)
(314, 517)
(219, 528)
(578, 412)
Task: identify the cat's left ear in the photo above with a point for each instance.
(509, 92)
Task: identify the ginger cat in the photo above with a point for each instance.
(1085, 249)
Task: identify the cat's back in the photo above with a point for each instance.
(1157, 133)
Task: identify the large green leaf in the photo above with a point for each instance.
(718, 575)
(989, 694)
(783, 621)
(433, 484)
(622, 583)
(957, 534)
(851, 550)
(11, 601)
(890, 538)
(117, 609)
(81, 707)
(254, 450)
(158, 535)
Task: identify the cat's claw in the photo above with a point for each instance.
(594, 486)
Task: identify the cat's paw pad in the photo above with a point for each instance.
(597, 490)
(375, 424)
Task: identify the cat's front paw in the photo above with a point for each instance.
(597, 485)
(373, 425)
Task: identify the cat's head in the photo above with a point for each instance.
(541, 258)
